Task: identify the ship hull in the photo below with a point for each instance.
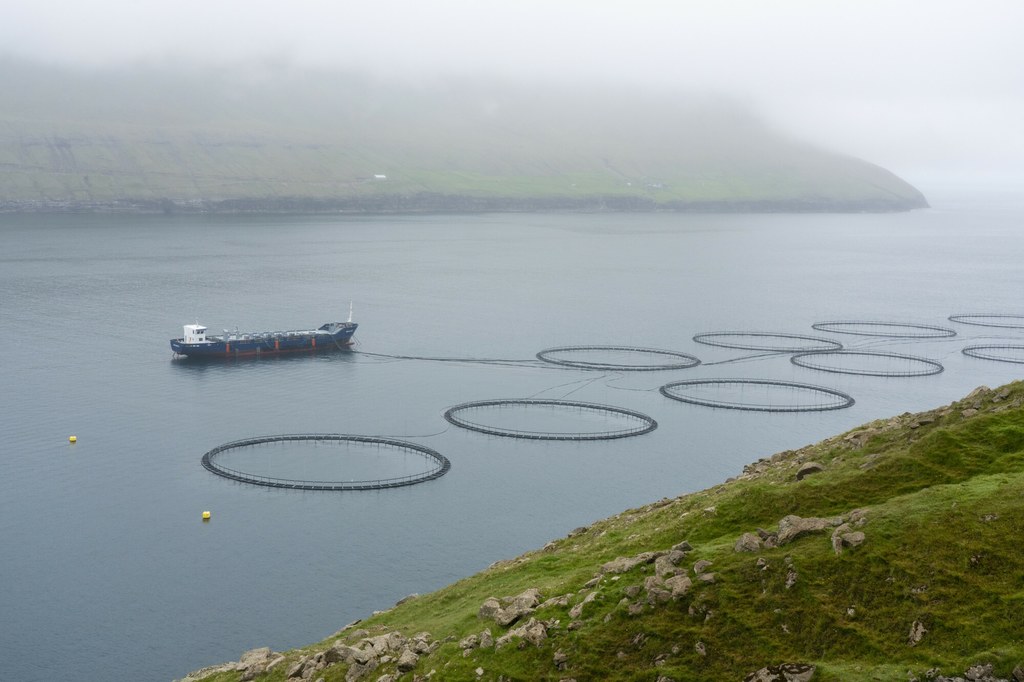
(330, 337)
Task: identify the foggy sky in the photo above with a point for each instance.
(929, 89)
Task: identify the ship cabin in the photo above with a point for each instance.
(195, 333)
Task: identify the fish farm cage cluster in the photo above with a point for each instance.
(1002, 320)
(734, 339)
(640, 422)
(905, 365)
(438, 463)
(991, 352)
(751, 394)
(818, 398)
(894, 330)
(671, 359)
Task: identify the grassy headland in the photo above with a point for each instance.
(890, 552)
(285, 140)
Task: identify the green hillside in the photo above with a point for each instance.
(891, 552)
(283, 139)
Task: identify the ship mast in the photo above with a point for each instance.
(350, 311)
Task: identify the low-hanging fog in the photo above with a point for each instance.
(933, 91)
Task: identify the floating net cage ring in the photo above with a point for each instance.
(688, 361)
(439, 463)
(645, 424)
(888, 329)
(708, 339)
(980, 353)
(978, 320)
(842, 400)
(929, 367)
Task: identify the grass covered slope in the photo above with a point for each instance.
(284, 139)
(898, 552)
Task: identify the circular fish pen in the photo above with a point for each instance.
(1002, 320)
(1015, 354)
(894, 330)
(756, 395)
(634, 423)
(777, 342)
(884, 364)
(665, 359)
(437, 464)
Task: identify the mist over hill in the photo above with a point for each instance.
(275, 138)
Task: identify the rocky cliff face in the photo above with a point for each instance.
(161, 140)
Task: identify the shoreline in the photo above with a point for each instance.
(431, 203)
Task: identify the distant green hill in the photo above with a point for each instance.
(282, 139)
(891, 552)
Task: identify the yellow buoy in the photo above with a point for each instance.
(72, 439)
(206, 516)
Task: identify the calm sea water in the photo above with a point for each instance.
(108, 570)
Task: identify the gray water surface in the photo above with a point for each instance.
(108, 571)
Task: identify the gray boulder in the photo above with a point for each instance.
(624, 564)
(407, 661)
(678, 585)
(807, 469)
(792, 527)
(748, 542)
(263, 655)
(668, 564)
(533, 631)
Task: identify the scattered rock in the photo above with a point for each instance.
(407, 661)
(295, 669)
(625, 564)
(983, 672)
(845, 537)
(786, 672)
(807, 469)
(969, 412)
(562, 601)
(979, 672)
(917, 632)
(358, 671)
(533, 631)
(263, 655)
(748, 542)
(577, 611)
(510, 609)
(700, 649)
(668, 563)
(489, 608)
(792, 527)
(678, 585)
(701, 565)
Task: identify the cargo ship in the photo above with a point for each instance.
(195, 343)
